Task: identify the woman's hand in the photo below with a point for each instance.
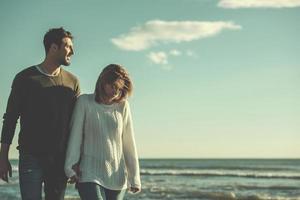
(134, 190)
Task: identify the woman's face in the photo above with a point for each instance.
(113, 91)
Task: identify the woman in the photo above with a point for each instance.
(101, 155)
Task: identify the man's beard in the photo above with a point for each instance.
(64, 62)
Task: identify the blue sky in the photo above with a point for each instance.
(212, 78)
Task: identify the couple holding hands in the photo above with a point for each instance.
(64, 136)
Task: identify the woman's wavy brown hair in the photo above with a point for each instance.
(113, 74)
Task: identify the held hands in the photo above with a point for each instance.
(75, 178)
(5, 169)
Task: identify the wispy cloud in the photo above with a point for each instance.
(234, 4)
(162, 58)
(157, 31)
(175, 52)
(158, 57)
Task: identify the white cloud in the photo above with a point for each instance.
(175, 52)
(162, 58)
(158, 57)
(157, 31)
(258, 3)
(190, 53)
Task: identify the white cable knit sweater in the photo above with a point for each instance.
(102, 138)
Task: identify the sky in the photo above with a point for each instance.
(212, 78)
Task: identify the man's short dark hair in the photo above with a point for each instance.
(55, 35)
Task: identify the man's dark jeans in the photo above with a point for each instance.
(36, 170)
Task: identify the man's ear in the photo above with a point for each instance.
(53, 47)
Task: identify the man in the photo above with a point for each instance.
(43, 97)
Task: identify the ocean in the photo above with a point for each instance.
(203, 179)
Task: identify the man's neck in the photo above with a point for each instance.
(50, 68)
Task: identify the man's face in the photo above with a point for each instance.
(65, 51)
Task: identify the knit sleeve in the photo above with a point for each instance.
(76, 136)
(13, 110)
(130, 151)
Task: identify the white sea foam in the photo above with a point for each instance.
(229, 173)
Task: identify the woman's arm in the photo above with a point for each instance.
(76, 137)
(130, 152)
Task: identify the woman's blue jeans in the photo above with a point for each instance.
(93, 191)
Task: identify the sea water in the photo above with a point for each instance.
(203, 179)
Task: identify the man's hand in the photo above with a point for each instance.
(5, 169)
(76, 169)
